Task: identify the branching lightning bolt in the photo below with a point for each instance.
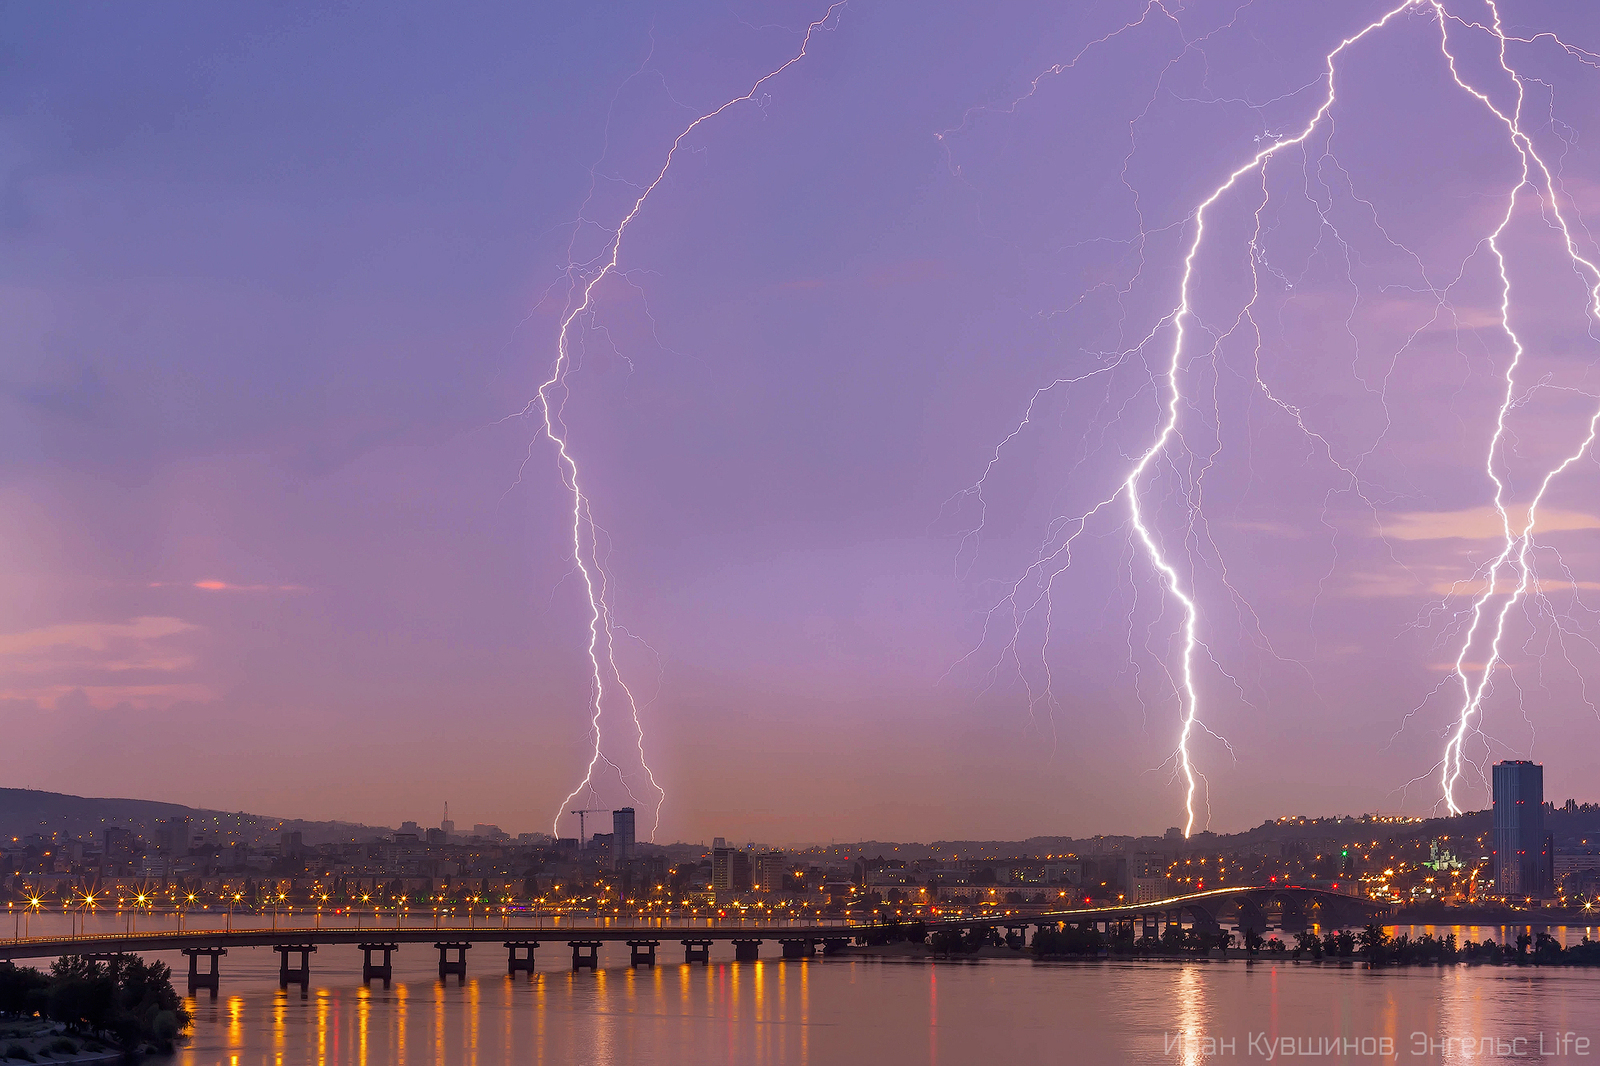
(1518, 540)
(588, 559)
(1515, 557)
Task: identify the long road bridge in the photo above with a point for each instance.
(1247, 908)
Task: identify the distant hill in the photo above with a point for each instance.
(24, 811)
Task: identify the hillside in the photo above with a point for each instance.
(24, 811)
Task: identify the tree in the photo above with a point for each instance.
(1373, 942)
(127, 999)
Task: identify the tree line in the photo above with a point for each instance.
(123, 1000)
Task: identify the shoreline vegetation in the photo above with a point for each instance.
(121, 1003)
(1372, 945)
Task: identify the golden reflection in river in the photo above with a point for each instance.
(507, 1039)
(759, 1002)
(322, 1026)
(438, 1024)
(787, 1012)
(474, 994)
(1390, 1011)
(280, 1010)
(1191, 1001)
(604, 1036)
(397, 1023)
(805, 1014)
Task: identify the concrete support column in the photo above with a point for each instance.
(524, 962)
(212, 980)
(802, 948)
(642, 952)
(298, 975)
(833, 945)
(457, 965)
(696, 950)
(747, 950)
(384, 970)
(585, 953)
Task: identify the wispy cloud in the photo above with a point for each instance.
(1478, 523)
(213, 585)
(141, 662)
(91, 636)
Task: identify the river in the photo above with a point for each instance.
(850, 1010)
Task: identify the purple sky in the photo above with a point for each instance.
(277, 283)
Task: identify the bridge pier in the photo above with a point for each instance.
(212, 980)
(833, 945)
(746, 950)
(515, 962)
(299, 975)
(1251, 917)
(696, 951)
(585, 953)
(457, 965)
(642, 952)
(1017, 932)
(798, 948)
(384, 970)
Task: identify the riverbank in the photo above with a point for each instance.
(36, 1040)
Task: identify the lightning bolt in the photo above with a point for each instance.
(1514, 562)
(1518, 539)
(584, 280)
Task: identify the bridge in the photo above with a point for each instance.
(1248, 908)
(452, 942)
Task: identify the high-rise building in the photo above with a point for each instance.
(622, 834)
(1522, 852)
(172, 836)
(118, 850)
(730, 870)
(770, 868)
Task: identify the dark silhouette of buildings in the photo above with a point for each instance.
(172, 836)
(1523, 852)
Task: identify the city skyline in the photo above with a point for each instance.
(286, 529)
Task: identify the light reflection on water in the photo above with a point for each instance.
(845, 1010)
(841, 1010)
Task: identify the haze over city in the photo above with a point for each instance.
(284, 532)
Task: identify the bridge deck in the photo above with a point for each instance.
(1216, 899)
(109, 943)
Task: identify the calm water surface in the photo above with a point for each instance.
(846, 1010)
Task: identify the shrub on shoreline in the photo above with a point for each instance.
(125, 1000)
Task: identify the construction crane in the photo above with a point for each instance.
(583, 837)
